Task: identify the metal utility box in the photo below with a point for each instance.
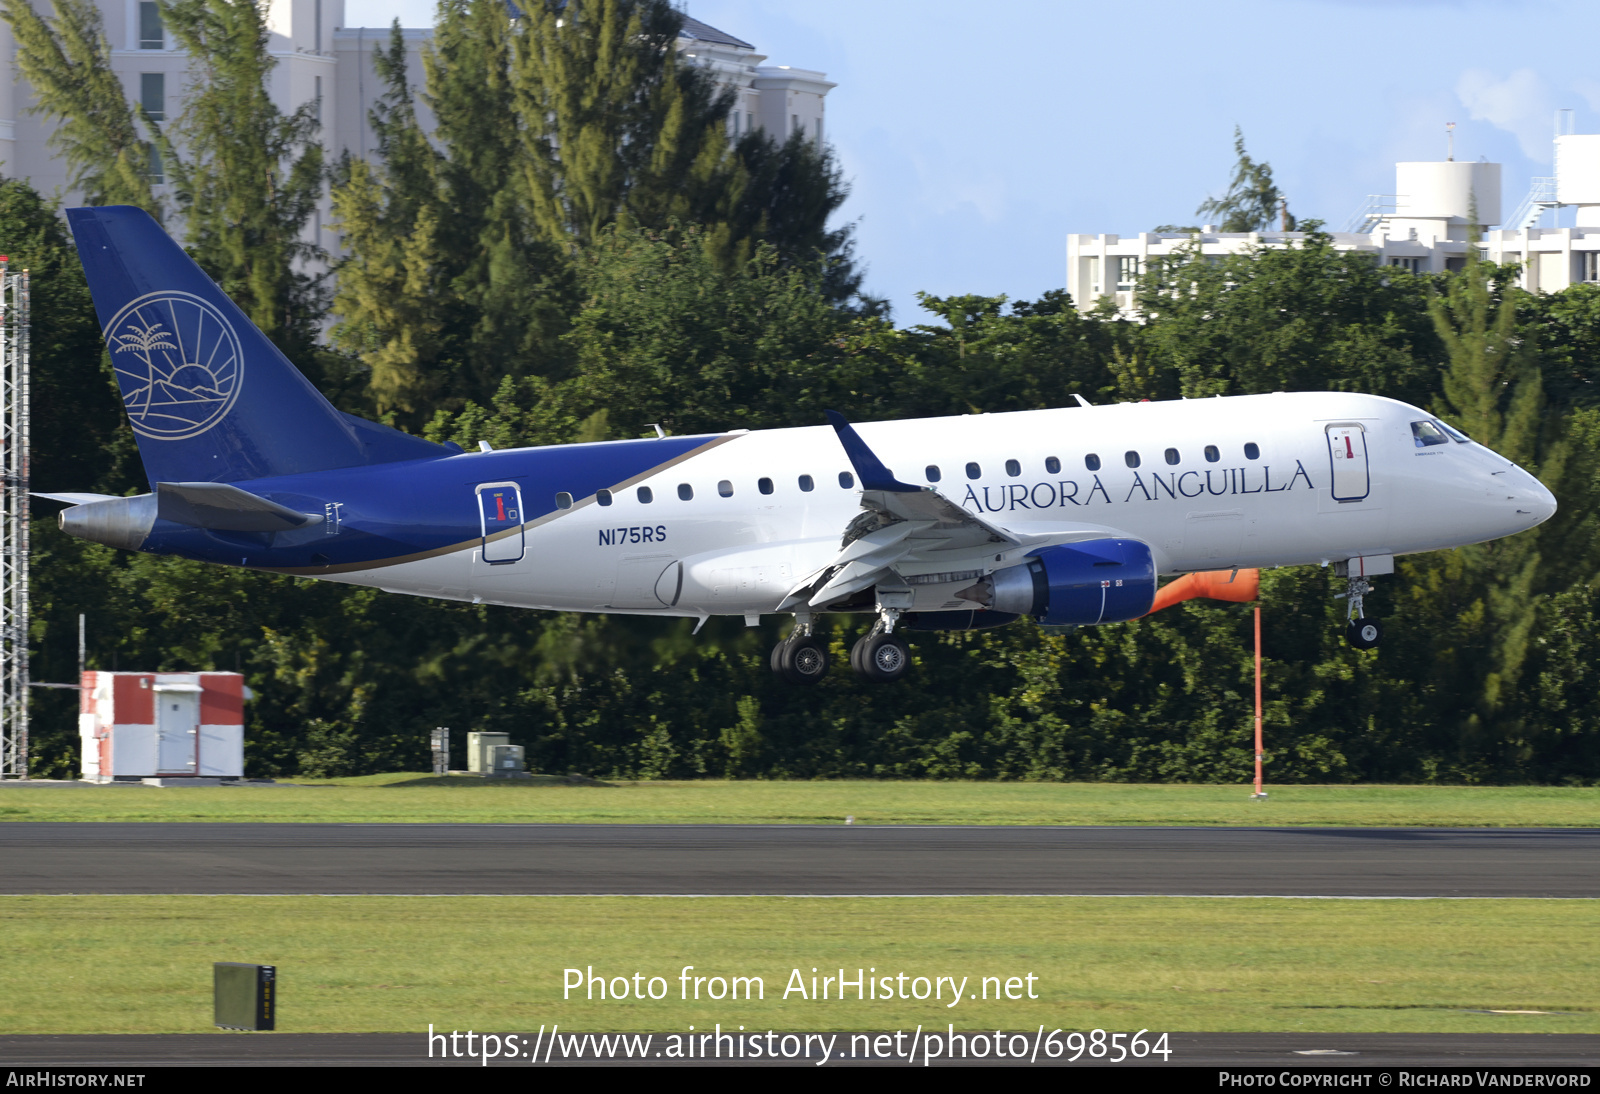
(135, 725)
(244, 996)
(505, 760)
(480, 755)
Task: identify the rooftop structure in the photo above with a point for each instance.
(1425, 227)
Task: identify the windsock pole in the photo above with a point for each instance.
(1259, 792)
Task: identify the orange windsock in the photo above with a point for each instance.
(1235, 585)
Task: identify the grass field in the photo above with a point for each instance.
(114, 964)
(402, 797)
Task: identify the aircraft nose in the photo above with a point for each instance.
(1537, 502)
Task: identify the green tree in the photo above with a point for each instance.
(615, 128)
(249, 176)
(1306, 317)
(447, 290)
(697, 347)
(792, 190)
(106, 144)
(1253, 202)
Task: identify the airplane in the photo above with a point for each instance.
(1069, 516)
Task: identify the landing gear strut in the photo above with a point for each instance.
(800, 658)
(881, 655)
(1361, 632)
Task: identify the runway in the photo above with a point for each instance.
(820, 861)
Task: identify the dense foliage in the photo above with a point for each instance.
(695, 286)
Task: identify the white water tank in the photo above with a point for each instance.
(1448, 190)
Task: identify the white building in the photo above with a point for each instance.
(329, 65)
(1424, 227)
(777, 98)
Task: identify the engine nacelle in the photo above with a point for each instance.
(1097, 581)
(116, 522)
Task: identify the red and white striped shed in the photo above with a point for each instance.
(135, 725)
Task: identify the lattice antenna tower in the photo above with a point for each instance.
(14, 457)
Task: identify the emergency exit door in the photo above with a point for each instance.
(1347, 452)
(500, 511)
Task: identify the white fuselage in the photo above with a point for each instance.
(1251, 481)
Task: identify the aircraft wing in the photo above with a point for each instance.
(910, 533)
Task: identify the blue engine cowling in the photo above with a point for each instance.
(1097, 581)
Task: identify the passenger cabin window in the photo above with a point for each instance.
(725, 488)
(1052, 465)
(1427, 434)
(1013, 468)
(1131, 459)
(1212, 455)
(1092, 462)
(764, 485)
(932, 472)
(603, 497)
(806, 483)
(563, 500)
(1251, 451)
(974, 471)
(1172, 455)
(645, 496)
(846, 479)
(685, 491)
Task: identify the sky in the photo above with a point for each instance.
(976, 137)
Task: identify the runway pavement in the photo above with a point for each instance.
(796, 860)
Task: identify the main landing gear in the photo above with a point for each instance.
(1361, 632)
(881, 655)
(800, 658)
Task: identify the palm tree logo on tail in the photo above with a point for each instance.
(178, 364)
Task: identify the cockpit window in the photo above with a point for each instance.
(1454, 433)
(1426, 434)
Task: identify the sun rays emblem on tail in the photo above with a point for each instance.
(178, 364)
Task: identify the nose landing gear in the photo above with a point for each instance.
(1361, 632)
(1364, 634)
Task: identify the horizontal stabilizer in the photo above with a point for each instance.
(225, 508)
(72, 498)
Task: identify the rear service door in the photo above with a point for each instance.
(500, 511)
(1347, 453)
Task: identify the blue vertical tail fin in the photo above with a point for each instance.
(210, 398)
